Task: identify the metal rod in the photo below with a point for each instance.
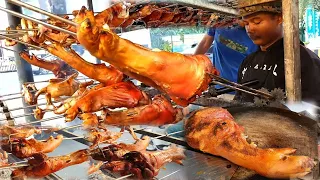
(14, 34)
(41, 11)
(15, 166)
(8, 49)
(70, 138)
(235, 88)
(239, 86)
(6, 37)
(18, 116)
(19, 108)
(123, 177)
(203, 4)
(71, 127)
(44, 120)
(37, 21)
(292, 64)
(30, 91)
(19, 30)
(166, 135)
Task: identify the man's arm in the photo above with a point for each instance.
(204, 45)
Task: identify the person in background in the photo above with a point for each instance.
(264, 24)
(231, 46)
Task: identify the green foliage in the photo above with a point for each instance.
(156, 35)
(167, 46)
(303, 4)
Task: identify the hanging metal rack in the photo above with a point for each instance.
(224, 8)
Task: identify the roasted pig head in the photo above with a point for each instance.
(182, 77)
(214, 131)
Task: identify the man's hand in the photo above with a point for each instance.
(204, 45)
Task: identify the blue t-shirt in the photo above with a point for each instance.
(231, 46)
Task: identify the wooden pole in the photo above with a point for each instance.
(290, 9)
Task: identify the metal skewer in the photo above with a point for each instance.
(38, 10)
(83, 78)
(43, 140)
(44, 120)
(8, 49)
(22, 164)
(240, 87)
(37, 21)
(232, 87)
(19, 108)
(6, 37)
(126, 176)
(19, 30)
(13, 35)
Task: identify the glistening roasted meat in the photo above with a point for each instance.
(146, 165)
(123, 94)
(18, 132)
(23, 148)
(59, 68)
(41, 165)
(226, 139)
(159, 112)
(28, 92)
(83, 90)
(58, 88)
(104, 136)
(104, 74)
(115, 152)
(163, 70)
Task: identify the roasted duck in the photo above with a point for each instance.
(23, 148)
(3, 158)
(25, 37)
(123, 94)
(104, 136)
(32, 36)
(62, 108)
(8, 42)
(114, 152)
(41, 165)
(58, 88)
(59, 68)
(18, 132)
(159, 112)
(149, 67)
(227, 140)
(28, 92)
(83, 90)
(145, 165)
(38, 113)
(104, 74)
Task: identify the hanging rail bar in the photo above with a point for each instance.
(43, 120)
(19, 30)
(6, 37)
(37, 21)
(19, 93)
(8, 49)
(41, 11)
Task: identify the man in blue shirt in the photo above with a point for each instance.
(231, 46)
